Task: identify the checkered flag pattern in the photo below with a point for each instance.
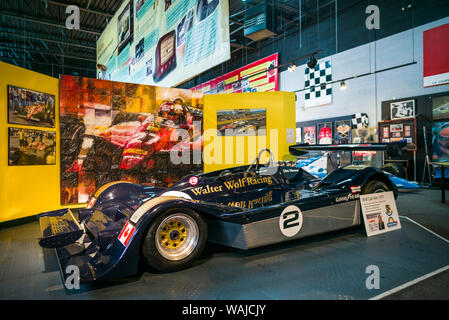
(360, 121)
(317, 84)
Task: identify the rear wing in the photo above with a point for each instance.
(392, 149)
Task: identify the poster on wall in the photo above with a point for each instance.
(114, 131)
(309, 135)
(364, 135)
(318, 84)
(31, 147)
(343, 132)
(403, 109)
(31, 108)
(435, 53)
(298, 135)
(440, 108)
(242, 122)
(380, 213)
(440, 141)
(324, 133)
(164, 43)
(250, 78)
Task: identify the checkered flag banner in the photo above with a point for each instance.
(360, 121)
(317, 84)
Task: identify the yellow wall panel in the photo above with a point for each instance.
(26, 190)
(223, 152)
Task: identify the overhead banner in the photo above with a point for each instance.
(435, 56)
(164, 43)
(250, 78)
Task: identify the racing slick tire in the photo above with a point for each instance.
(174, 240)
(395, 169)
(375, 186)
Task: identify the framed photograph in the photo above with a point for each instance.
(343, 132)
(325, 133)
(403, 109)
(309, 135)
(31, 147)
(242, 122)
(396, 127)
(30, 108)
(440, 108)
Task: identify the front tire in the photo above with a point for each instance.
(375, 186)
(174, 240)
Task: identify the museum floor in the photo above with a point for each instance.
(331, 266)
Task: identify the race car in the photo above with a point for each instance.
(242, 207)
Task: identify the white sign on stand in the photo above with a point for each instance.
(379, 213)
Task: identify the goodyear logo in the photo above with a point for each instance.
(347, 198)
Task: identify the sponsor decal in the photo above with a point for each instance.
(233, 185)
(290, 221)
(347, 198)
(126, 234)
(356, 189)
(193, 181)
(253, 203)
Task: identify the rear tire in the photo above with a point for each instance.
(395, 169)
(174, 240)
(375, 186)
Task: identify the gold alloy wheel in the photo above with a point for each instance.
(173, 234)
(177, 236)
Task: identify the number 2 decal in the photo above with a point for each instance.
(290, 221)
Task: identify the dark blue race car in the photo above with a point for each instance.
(243, 207)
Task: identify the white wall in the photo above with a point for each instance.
(366, 94)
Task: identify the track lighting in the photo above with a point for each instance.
(292, 67)
(342, 85)
(312, 62)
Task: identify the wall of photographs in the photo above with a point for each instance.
(406, 118)
(120, 131)
(33, 109)
(338, 130)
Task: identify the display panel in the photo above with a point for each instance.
(164, 42)
(242, 122)
(120, 131)
(31, 147)
(250, 78)
(397, 130)
(31, 108)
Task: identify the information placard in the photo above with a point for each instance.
(379, 213)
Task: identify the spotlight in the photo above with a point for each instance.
(292, 67)
(342, 85)
(312, 62)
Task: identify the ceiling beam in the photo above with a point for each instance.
(39, 38)
(87, 10)
(51, 53)
(48, 23)
(51, 64)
